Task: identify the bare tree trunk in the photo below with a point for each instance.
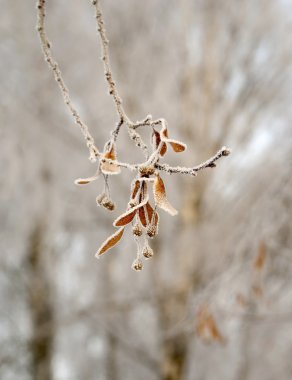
(41, 308)
(175, 353)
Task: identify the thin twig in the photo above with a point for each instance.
(210, 163)
(106, 63)
(113, 91)
(46, 48)
(144, 122)
(138, 141)
(131, 167)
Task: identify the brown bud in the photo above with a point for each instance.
(151, 230)
(137, 229)
(146, 170)
(226, 152)
(147, 251)
(137, 264)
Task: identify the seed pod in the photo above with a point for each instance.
(108, 204)
(137, 265)
(100, 198)
(151, 230)
(137, 229)
(147, 251)
(103, 200)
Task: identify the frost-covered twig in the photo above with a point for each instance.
(46, 47)
(106, 63)
(210, 163)
(113, 91)
(125, 165)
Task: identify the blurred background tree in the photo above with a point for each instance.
(219, 71)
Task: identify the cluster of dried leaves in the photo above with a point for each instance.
(140, 213)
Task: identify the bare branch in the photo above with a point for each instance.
(210, 163)
(121, 164)
(46, 48)
(106, 63)
(113, 91)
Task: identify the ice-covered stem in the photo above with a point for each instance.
(113, 91)
(106, 63)
(210, 163)
(46, 48)
(125, 165)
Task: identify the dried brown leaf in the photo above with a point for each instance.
(135, 189)
(109, 168)
(163, 150)
(110, 242)
(142, 216)
(155, 139)
(150, 212)
(156, 142)
(177, 146)
(164, 132)
(85, 181)
(129, 215)
(146, 215)
(126, 218)
(160, 196)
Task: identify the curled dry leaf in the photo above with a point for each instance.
(129, 215)
(136, 187)
(85, 181)
(142, 216)
(110, 242)
(107, 167)
(160, 196)
(177, 146)
(146, 215)
(156, 141)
